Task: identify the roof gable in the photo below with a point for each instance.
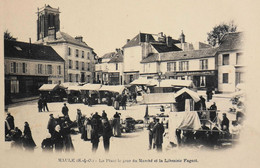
(231, 41)
(16, 49)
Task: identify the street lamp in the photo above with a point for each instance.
(159, 77)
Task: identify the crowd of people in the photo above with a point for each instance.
(156, 132)
(21, 140)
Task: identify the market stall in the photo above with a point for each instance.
(52, 92)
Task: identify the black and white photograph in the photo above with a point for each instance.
(129, 83)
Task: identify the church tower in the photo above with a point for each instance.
(48, 19)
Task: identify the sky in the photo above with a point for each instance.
(106, 24)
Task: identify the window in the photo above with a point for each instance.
(70, 64)
(238, 59)
(14, 86)
(225, 60)
(82, 66)
(77, 53)
(59, 70)
(70, 77)
(24, 67)
(82, 54)
(171, 66)
(39, 68)
(69, 51)
(88, 55)
(49, 69)
(77, 64)
(116, 66)
(225, 78)
(88, 66)
(202, 81)
(77, 77)
(184, 65)
(14, 67)
(203, 64)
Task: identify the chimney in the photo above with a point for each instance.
(79, 38)
(182, 37)
(169, 41)
(51, 33)
(30, 46)
(127, 40)
(161, 37)
(147, 38)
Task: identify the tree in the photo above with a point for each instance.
(8, 36)
(219, 31)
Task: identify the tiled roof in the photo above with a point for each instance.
(231, 41)
(118, 57)
(108, 55)
(139, 38)
(62, 37)
(16, 49)
(164, 48)
(181, 55)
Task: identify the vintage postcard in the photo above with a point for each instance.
(135, 83)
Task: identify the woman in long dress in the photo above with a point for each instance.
(28, 142)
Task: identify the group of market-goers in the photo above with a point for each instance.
(22, 140)
(42, 104)
(91, 129)
(156, 131)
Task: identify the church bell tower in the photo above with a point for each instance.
(48, 19)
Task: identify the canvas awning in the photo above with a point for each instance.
(192, 94)
(48, 87)
(175, 83)
(113, 88)
(158, 98)
(74, 88)
(143, 81)
(67, 84)
(90, 86)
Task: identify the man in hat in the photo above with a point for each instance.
(51, 124)
(10, 120)
(158, 131)
(150, 128)
(225, 123)
(65, 110)
(79, 119)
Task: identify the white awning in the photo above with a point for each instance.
(90, 86)
(74, 88)
(48, 87)
(67, 84)
(143, 81)
(113, 88)
(158, 98)
(193, 95)
(175, 83)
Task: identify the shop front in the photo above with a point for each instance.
(201, 79)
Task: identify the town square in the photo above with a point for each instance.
(124, 79)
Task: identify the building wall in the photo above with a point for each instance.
(229, 69)
(194, 65)
(132, 59)
(89, 66)
(33, 70)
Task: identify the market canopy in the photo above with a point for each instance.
(175, 83)
(49, 87)
(67, 84)
(143, 81)
(74, 88)
(90, 86)
(113, 88)
(158, 98)
(192, 94)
